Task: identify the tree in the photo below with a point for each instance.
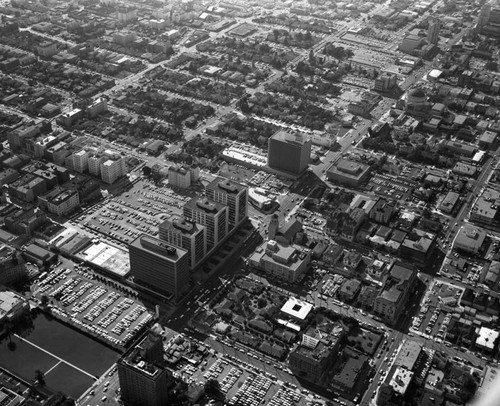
(312, 59)
(44, 300)
(213, 390)
(40, 377)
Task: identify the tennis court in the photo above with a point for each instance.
(69, 360)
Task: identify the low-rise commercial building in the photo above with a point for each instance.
(418, 245)
(487, 339)
(449, 202)
(469, 239)
(38, 255)
(282, 262)
(12, 307)
(391, 302)
(25, 221)
(346, 172)
(27, 187)
(12, 267)
(60, 201)
(485, 208)
(313, 357)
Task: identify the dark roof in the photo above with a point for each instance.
(225, 186)
(204, 204)
(289, 229)
(418, 92)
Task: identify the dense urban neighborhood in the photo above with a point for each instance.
(264, 202)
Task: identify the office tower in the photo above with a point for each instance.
(142, 374)
(231, 194)
(212, 215)
(494, 14)
(186, 235)
(273, 227)
(484, 16)
(289, 152)
(433, 31)
(159, 266)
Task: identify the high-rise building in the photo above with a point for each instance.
(113, 167)
(142, 374)
(159, 266)
(433, 31)
(81, 160)
(231, 194)
(97, 107)
(289, 152)
(46, 49)
(126, 15)
(182, 176)
(494, 14)
(385, 82)
(274, 225)
(95, 161)
(484, 16)
(186, 235)
(212, 215)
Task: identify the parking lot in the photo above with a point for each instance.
(392, 186)
(89, 306)
(138, 211)
(436, 309)
(245, 385)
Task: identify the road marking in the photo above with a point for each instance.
(56, 357)
(58, 362)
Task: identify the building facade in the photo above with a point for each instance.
(212, 215)
(289, 152)
(232, 195)
(142, 374)
(186, 235)
(60, 201)
(287, 263)
(390, 303)
(433, 31)
(159, 266)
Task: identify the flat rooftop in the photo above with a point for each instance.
(158, 247)
(296, 308)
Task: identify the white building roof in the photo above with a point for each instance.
(8, 300)
(297, 308)
(487, 338)
(400, 380)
